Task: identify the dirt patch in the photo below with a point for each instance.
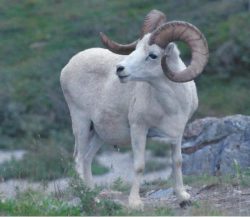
(208, 200)
(231, 200)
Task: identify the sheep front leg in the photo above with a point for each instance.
(138, 140)
(181, 194)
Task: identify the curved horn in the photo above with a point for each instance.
(117, 48)
(182, 31)
(153, 20)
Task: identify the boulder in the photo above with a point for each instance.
(215, 145)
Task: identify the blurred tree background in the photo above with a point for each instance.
(38, 37)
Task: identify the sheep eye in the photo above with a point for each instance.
(152, 56)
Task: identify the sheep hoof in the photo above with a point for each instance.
(185, 204)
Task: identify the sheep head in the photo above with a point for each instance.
(148, 53)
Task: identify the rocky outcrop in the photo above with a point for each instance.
(213, 145)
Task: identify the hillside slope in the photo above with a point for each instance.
(38, 37)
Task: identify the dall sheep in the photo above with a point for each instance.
(131, 93)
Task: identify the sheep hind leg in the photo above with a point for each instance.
(86, 145)
(93, 147)
(85, 149)
(181, 194)
(82, 133)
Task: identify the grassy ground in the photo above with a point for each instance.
(208, 193)
(37, 203)
(38, 37)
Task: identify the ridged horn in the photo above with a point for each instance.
(123, 49)
(188, 33)
(153, 20)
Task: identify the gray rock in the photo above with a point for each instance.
(211, 145)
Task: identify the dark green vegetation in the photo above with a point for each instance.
(37, 166)
(35, 203)
(32, 203)
(38, 37)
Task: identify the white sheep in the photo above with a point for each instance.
(145, 93)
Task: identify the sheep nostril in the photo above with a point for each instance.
(119, 69)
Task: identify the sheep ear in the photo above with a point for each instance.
(169, 49)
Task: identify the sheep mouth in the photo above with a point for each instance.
(123, 78)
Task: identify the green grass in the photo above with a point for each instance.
(72, 27)
(120, 185)
(31, 203)
(241, 178)
(43, 164)
(224, 97)
(204, 208)
(40, 165)
(98, 169)
(158, 150)
(38, 203)
(89, 201)
(38, 37)
(153, 166)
